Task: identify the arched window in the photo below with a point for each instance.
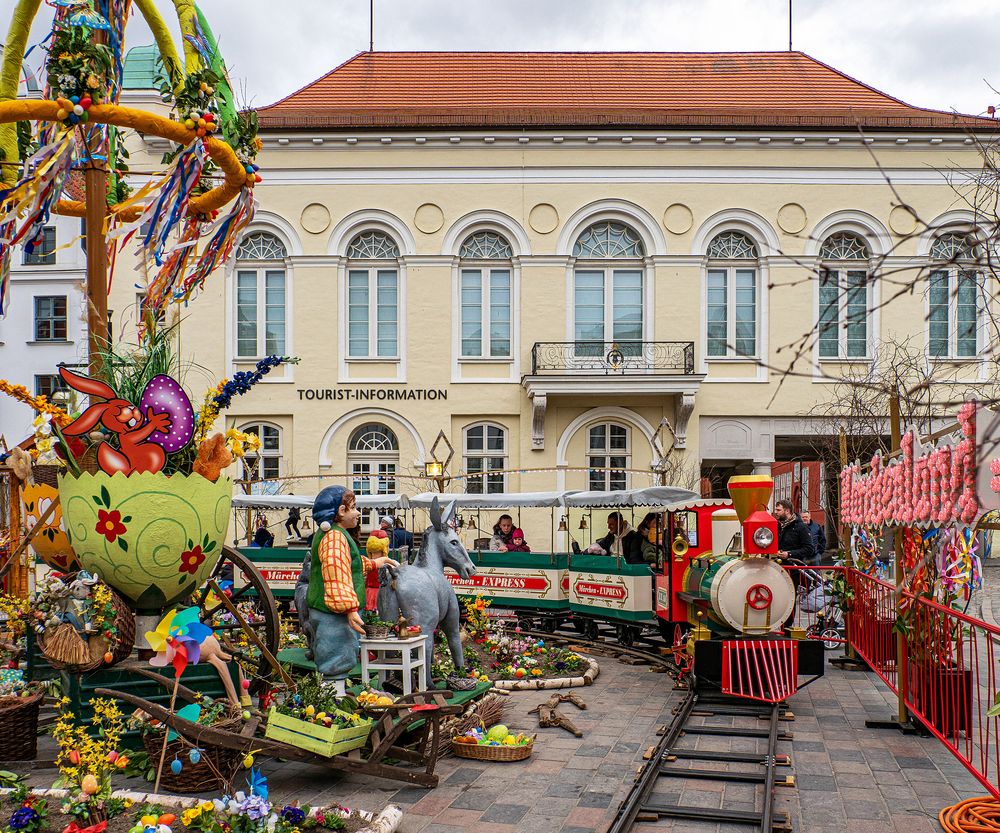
(608, 455)
(732, 296)
(260, 296)
(373, 296)
(486, 296)
(953, 298)
(844, 297)
(373, 455)
(607, 295)
(266, 464)
(485, 450)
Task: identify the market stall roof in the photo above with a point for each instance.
(306, 501)
(651, 497)
(513, 500)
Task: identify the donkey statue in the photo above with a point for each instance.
(421, 590)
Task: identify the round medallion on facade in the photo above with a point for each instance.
(429, 218)
(543, 218)
(791, 218)
(902, 220)
(315, 218)
(678, 219)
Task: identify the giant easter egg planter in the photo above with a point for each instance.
(154, 538)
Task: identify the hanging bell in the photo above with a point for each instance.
(562, 524)
(583, 522)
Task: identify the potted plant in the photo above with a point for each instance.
(315, 718)
(375, 627)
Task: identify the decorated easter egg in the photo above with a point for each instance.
(89, 784)
(194, 756)
(165, 396)
(176, 766)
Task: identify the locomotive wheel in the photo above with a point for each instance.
(525, 623)
(547, 625)
(579, 625)
(625, 635)
(252, 596)
(590, 629)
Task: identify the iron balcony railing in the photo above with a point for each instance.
(613, 357)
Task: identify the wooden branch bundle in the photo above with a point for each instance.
(549, 714)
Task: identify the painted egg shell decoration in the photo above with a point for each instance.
(165, 396)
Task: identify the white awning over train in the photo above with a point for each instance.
(652, 497)
(513, 500)
(397, 502)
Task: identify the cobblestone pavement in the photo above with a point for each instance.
(849, 779)
(988, 599)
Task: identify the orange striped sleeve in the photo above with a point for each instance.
(367, 564)
(335, 563)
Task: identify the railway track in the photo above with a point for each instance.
(675, 759)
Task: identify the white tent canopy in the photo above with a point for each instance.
(395, 502)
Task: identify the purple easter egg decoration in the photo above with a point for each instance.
(165, 396)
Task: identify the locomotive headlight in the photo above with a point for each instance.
(763, 537)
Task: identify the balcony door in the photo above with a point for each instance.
(607, 292)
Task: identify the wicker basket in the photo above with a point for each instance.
(378, 631)
(46, 474)
(19, 727)
(213, 772)
(475, 752)
(67, 651)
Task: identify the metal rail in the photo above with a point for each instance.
(642, 804)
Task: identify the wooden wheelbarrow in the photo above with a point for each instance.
(426, 708)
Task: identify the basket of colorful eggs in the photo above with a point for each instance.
(497, 743)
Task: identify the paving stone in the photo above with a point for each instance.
(474, 799)
(595, 799)
(505, 813)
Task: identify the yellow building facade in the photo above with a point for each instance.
(564, 302)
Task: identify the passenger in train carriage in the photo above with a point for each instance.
(517, 542)
(621, 540)
(651, 531)
(500, 542)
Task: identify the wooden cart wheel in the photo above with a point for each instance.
(252, 596)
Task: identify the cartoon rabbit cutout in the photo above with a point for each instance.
(135, 452)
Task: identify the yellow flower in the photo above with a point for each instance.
(207, 806)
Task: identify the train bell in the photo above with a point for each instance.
(750, 494)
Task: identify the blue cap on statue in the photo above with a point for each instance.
(326, 506)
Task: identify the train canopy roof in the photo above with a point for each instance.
(502, 500)
(306, 501)
(652, 497)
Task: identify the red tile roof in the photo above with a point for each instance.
(596, 89)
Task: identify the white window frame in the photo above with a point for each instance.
(261, 267)
(607, 453)
(954, 253)
(952, 273)
(842, 268)
(730, 265)
(264, 454)
(373, 271)
(484, 454)
(372, 266)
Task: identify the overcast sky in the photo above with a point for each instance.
(929, 53)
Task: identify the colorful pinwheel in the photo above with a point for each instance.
(177, 639)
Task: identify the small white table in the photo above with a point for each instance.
(404, 655)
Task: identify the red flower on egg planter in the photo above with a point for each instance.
(193, 556)
(110, 525)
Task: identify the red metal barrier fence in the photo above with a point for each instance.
(949, 663)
